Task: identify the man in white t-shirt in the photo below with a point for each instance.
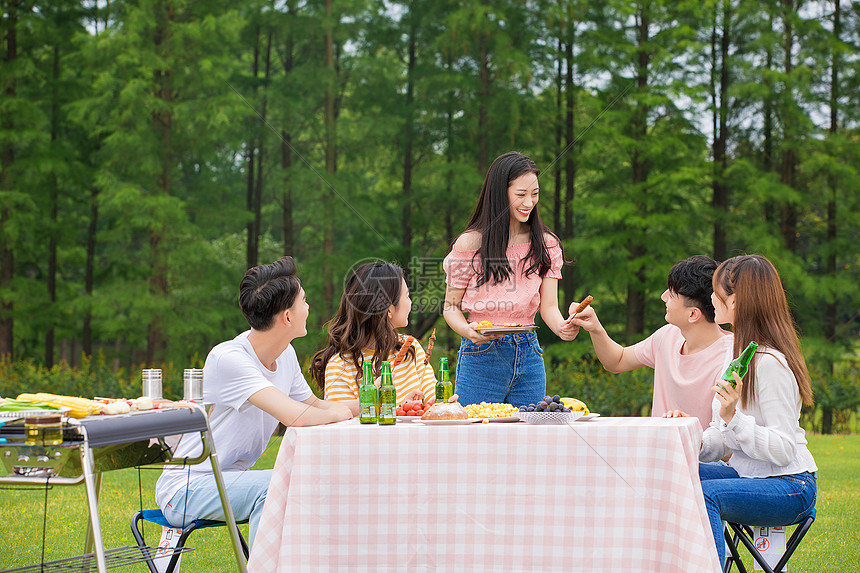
(254, 382)
(687, 354)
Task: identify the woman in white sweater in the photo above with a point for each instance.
(770, 479)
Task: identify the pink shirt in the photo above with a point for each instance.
(515, 300)
(682, 381)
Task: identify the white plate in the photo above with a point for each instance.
(449, 422)
(590, 416)
(408, 418)
(506, 329)
(502, 419)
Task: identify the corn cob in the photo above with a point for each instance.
(80, 407)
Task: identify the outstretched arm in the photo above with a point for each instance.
(613, 356)
(550, 313)
(310, 412)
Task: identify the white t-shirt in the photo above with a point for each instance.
(240, 430)
(682, 381)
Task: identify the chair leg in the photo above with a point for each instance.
(735, 557)
(747, 537)
(141, 542)
(793, 542)
(245, 549)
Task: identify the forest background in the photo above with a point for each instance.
(152, 150)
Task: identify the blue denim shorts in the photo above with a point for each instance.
(509, 369)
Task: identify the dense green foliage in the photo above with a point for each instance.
(153, 149)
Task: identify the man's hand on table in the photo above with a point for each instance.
(340, 412)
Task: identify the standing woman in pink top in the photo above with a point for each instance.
(503, 269)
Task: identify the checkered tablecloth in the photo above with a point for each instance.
(610, 494)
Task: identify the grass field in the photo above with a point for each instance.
(832, 545)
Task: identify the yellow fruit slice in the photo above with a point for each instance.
(575, 405)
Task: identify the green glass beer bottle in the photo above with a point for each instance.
(387, 397)
(444, 387)
(740, 364)
(368, 396)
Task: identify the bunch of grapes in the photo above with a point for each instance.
(548, 404)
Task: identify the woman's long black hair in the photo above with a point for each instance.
(492, 219)
(362, 320)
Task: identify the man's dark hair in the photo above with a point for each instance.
(692, 278)
(267, 290)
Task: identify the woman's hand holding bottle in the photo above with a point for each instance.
(728, 397)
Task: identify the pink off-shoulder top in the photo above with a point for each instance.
(515, 300)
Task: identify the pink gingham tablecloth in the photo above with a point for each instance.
(611, 494)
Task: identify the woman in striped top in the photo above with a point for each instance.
(374, 305)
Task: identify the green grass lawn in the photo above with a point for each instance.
(831, 545)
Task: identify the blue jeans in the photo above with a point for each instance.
(509, 369)
(766, 502)
(246, 491)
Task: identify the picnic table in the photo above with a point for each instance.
(609, 494)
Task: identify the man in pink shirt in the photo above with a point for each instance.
(687, 355)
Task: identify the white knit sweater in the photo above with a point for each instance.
(765, 440)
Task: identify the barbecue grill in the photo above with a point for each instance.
(97, 444)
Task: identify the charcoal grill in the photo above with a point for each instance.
(97, 444)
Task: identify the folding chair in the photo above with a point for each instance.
(155, 516)
(744, 534)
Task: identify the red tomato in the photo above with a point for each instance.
(400, 412)
(419, 412)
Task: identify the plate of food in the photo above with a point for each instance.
(408, 418)
(487, 327)
(450, 422)
(493, 412)
(549, 418)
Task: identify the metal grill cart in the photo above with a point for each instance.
(97, 444)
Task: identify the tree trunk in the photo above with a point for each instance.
(406, 212)
(261, 150)
(252, 245)
(557, 209)
(330, 166)
(830, 305)
(86, 335)
(163, 121)
(788, 215)
(52, 228)
(635, 311)
(287, 155)
(483, 105)
(567, 279)
(7, 159)
(451, 338)
(720, 199)
(767, 110)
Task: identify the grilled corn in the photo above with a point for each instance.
(80, 407)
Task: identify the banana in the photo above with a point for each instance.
(576, 405)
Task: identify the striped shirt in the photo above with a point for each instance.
(342, 379)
